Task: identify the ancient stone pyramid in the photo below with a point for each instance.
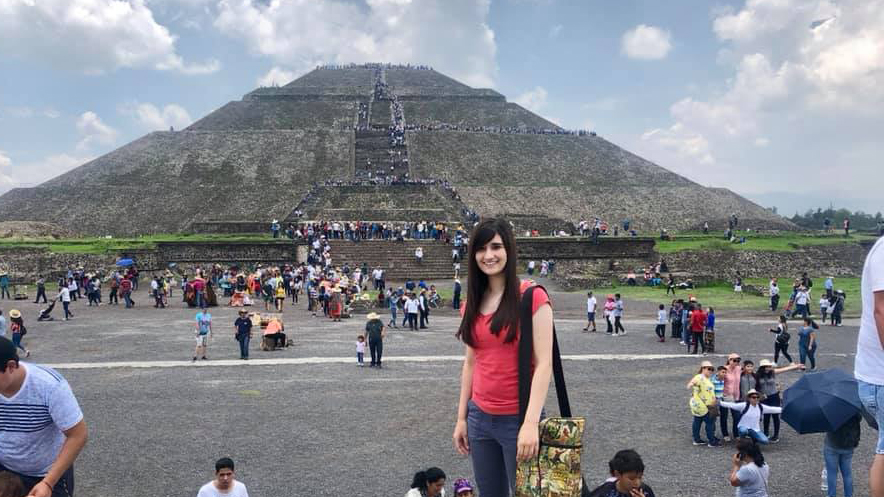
(258, 159)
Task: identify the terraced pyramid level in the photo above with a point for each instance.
(257, 158)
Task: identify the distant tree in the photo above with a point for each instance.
(813, 218)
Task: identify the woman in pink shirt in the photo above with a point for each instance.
(488, 426)
(731, 394)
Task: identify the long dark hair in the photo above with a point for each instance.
(423, 478)
(507, 314)
(748, 447)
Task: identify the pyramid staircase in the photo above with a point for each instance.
(397, 258)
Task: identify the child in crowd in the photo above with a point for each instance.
(463, 488)
(824, 306)
(627, 471)
(710, 320)
(718, 382)
(662, 315)
(747, 379)
(360, 350)
(11, 485)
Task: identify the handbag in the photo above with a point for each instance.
(555, 471)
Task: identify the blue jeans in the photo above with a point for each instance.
(761, 438)
(710, 427)
(393, 316)
(493, 441)
(872, 397)
(838, 459)
(804, 354)
(16, 340)
(244, 346)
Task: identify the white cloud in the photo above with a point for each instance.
(795, 80)
(276, 76)
(15, 175)
(6, 181)
(555, 31)
(646, 42)
(91, 36)
(25, 112)
(533, 100)
(685, 143)
(93, 131)
(152, 118)
(451, 35)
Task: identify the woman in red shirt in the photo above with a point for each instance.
(488, 427)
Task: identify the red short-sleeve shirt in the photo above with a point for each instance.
(496, 371)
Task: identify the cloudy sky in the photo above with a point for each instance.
(775, 99)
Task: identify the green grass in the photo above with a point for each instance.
(722, 296)
(772, 243)
(97, 245)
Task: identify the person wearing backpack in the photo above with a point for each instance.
(838, 454)
(488, 425)
(750, 413)
(781, 340)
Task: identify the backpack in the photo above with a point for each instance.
(783, 337)
(748, 405)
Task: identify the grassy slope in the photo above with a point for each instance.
(779, 243)
(722, 295)
(104, 245)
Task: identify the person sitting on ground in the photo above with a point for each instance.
(429, 483)
(630, 278)
(225, 483)
(750, 473)
(627, 470)
(274, 332)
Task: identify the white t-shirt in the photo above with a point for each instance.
(411, 306)
(209, 490)
(869, 365)
(33, 421)
(65, 294)
(751, 420)
(661, 316)
(591, 304)
(801, 298)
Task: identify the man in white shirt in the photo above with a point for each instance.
(869, 364)
(774, 291)
(224, 484)
(412, 306)
(750, 416)
(591, 304)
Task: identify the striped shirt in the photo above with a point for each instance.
(719, 387)
(33, 421)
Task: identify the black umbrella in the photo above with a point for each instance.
(822, 402)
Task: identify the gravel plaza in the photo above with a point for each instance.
(307, 421)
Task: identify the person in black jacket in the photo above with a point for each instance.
(838, 454)
(627, 471)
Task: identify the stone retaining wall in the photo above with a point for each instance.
(831, 260)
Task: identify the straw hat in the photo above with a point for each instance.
(706, 364)
(765, 362)
(752, 392)
(15, 314)
(372, 315)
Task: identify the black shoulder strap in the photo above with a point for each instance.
(526, 347)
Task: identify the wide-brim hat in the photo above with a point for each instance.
(372, 315)
(765, 362)
(706, 364)
(15, 314)
(752, 392)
